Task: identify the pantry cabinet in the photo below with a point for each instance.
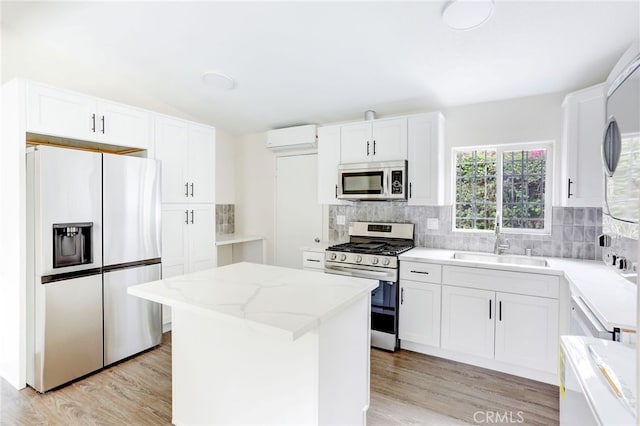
(374, 140)
(426, 159)
(70, 115)
(188, 238)
(328, 161)
(187, 151)
(582, 179)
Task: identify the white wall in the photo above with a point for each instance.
(225, 167)
(13, 246)
(530, 119)
(255, 189)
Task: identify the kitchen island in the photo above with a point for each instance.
(260, 344)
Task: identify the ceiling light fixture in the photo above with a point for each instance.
(466, 14)
(218, 81)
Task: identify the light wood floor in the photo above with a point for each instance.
(406, 388)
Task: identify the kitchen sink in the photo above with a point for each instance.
(501, 258)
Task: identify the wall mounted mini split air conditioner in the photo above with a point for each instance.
(293, 140)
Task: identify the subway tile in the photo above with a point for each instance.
(557, 215)
(590, 216)
(590, 234)
(567, 233)
(578, 216)
(578, 233)
(567, 218)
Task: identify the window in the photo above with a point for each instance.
(513, 180)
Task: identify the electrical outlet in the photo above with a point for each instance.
(340, 219)
(432, 223)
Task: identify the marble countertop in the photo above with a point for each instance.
(288, 302)
(225, 239)
(611, 297)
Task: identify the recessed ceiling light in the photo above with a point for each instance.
(218, 81)
(467, 14)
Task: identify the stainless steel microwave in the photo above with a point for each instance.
(373, 181)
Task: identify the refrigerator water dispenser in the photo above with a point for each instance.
(72, 244)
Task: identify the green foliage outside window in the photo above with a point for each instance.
(522, 179)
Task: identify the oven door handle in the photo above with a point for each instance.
(361, 273)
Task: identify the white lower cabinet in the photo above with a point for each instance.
(504, 320)
(419, 314)
(527, 331)
(468, 320)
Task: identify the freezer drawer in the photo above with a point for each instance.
(131, 324)
(68, 338)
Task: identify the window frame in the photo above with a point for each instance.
(500, 149)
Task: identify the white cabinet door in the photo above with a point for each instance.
(202, 231)
(200, 169)
(419, 318)
(123, 125)
(174, 238)
(527, 331)
(328, 161)
(425, 135)
(171, 148)
(468, 320)
(583, 122)
(60, 113)
(356, 142)
(389, 140)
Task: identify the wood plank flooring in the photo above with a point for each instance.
(406, 388)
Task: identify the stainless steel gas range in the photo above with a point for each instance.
(372, 252)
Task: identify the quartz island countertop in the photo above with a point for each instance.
(282, 300)
(261, 344)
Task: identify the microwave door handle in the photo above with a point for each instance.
(387, 191)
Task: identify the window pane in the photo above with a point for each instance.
(475, 189)
(523, 189)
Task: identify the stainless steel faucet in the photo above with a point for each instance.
(501, 245)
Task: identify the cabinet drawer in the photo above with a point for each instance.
(506, 281)
(312, 260)
(418, 271)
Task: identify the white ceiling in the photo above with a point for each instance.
(311, 62)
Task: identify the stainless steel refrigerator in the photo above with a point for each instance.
(93, 229)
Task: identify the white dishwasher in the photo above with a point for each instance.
(597, 382)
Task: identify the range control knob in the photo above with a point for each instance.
(343, 257)
(374, 261)
(386, 261)
(333, 256)
(358, 259)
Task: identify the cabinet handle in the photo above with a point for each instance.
(409, 189)
(336, 190)
(367, 148)
(191, 189)
(313, 260)
(402, 296)
(192, 216)
(186, 189)
(420, 272)
(374, 147)
(102, 119)
(489, 308)
(186, 217)
(500, 310)
(93, 123)
(569, 194)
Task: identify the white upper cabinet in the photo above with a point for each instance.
(65, 114)
(187, 152)
(375, 140)
(426, 159)
(328, 161)
(582, 183)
